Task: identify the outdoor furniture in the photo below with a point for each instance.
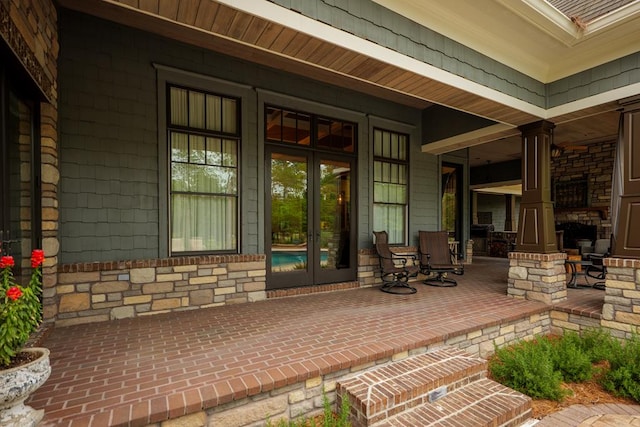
(394, 268)
(574, 272)
(436, 258)
(597, 270)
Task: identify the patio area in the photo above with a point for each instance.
(141, 371)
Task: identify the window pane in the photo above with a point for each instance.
(203, 223)
(229, 118)
(196, 109)
(273, 123)
(214, 151)
(402, 148)
(229, 152)
(197, 153)
(377, 142)
(303, 134)
(178, 106)
(214, 113)
(179, 147)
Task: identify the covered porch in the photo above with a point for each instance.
(237, 364)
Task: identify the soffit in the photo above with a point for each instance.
(299, 45)
(531, 36)
(218, 26)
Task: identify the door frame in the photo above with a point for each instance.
(314, 274)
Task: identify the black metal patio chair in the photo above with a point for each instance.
(437, 259)
(597, 269)
(395, 269)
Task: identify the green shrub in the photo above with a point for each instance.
(571, 359)
(528, 368)
(623, 377)
(598, 344)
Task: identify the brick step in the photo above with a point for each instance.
(387, 390)
(481, 403)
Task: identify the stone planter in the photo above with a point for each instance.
(16, 384)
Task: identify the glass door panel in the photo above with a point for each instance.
(289, 214)
(335, 214)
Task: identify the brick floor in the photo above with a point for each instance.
(603, 415)
(138, 371)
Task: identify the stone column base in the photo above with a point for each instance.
(538, 277)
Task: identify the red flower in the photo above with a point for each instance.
(6, 261)
(13, 293)
(37, 258)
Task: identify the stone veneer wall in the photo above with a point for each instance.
(596, 165)
(304, 398)
(97, 292)
(538, 277)
(621, 309)
(30, 29)
(101, 291)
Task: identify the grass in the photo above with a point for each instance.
(539, 367)
(329, 418)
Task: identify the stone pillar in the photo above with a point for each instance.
(536, 225)
(621, 309)
(49, 201)
(537, 277)
(626, 239)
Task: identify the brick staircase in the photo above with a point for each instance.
(444, 387)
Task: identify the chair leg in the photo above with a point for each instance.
(440, 281)
(399, 285)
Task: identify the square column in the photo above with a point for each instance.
(536, 224)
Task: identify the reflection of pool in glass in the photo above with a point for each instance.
(290, 260)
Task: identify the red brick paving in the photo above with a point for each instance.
(141, 370)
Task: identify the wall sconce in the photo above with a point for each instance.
(341, 197)
(555, 151)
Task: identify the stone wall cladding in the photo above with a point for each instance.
(30, 28)
(596, 165)
(304, 398)
(538, 277)
(95, 292)
(621, 309)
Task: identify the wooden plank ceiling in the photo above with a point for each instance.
(218, 27)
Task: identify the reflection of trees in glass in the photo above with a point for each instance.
(288, 201)
(449, 212)
(201, 168)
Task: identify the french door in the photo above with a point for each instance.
(309, 209)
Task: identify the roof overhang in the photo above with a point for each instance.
(265, 33)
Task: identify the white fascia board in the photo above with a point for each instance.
(312, 27)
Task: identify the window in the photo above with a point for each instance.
(294, 127)
(203, 134)
(390, 172)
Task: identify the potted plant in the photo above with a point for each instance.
(22, 370)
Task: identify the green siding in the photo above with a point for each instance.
(109, 197)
